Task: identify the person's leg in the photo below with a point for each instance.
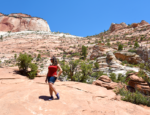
(50, 91)
(52, 88)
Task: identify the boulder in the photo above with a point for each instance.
(22, 22)
(132, 58)
(105, 81)
(138, 83)
(114, 27)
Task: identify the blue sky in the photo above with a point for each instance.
(81, 17)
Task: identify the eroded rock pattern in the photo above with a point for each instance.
(22, 22)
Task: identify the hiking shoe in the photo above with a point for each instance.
(51, 98)
(57, 95)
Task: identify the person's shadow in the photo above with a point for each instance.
(46, 98)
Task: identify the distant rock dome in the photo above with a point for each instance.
(22, 22)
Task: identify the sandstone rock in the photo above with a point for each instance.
(105, 81)
(138, 83)
(134, 25)
(20, 22)
(114, 27)
(143, 22)
(111, 59)
(31, 97)
(98, 51)
(143, 53)
(129, 57)
(1, 14)
(105, 78)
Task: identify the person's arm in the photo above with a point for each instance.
(46, 76)
(60, 70)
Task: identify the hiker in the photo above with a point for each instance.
(52, 76)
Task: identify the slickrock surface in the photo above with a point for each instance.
(20, 96)
(22, 22)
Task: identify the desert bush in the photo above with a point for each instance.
(96, 65)
(38, 57)
(134, 97)
(121, 78)
(132, 50)
(24, 62)
(84, 51)
(120, 47)
(33, 71)
(136, 44)
(113, 77)
(15, 56)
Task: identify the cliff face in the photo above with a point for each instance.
(22, 22)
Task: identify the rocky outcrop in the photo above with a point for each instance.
(143, 22)
(143, 53)
(132, 58)
(138, 83)
(134, 25)
(22, 22)
(114, 27)
(98, 51)
(111, 60)
(105, 81)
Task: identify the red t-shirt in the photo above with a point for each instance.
(52, 70)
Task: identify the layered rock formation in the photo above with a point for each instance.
(98, 51)
(22, 22)
(114, 27)
(106, 82)
(111, 59)
(143, 22)
(132, 58)
(143, 53)
(138, 83)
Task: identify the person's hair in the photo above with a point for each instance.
(54, 60)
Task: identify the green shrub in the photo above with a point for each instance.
(33, 71)
(113, 77)
(143, 75)
(120, 47)
(121, 78)
(15, 56)
(132, 50)
(135, 97)
(84, 51)
(24, 62)
(96, 64)
(136, 44)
